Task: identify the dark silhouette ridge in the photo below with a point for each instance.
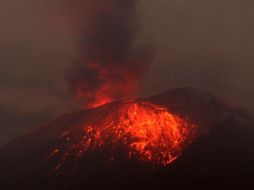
(221, 158)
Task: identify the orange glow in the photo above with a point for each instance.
(115, 82)
(149, 133)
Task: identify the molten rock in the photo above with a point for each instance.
(132, 146)
(147, 132)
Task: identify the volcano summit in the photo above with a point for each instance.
(183, 135)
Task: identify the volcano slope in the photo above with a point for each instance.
(209, 145)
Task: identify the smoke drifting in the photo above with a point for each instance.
(110, 65)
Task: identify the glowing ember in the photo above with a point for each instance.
(115, 82)
(111, 63)
(147, 132)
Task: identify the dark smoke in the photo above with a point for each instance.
(110, 65)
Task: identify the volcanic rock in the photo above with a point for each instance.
(221, 155)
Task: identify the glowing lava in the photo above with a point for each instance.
(113, 82)
(149, 133)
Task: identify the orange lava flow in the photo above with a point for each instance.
(149, 133)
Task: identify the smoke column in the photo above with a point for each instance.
(110, 66)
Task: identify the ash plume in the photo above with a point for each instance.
(110, 64)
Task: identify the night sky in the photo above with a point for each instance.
(201, 44)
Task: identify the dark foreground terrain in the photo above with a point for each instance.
(221, 158)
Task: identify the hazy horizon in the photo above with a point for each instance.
(201, 44)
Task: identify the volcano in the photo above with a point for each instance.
(181, 139)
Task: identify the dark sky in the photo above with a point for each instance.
(206, 44)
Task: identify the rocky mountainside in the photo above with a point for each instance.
(221, 157)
